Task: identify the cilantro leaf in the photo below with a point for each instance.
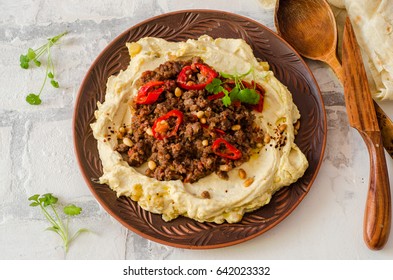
(53, 228)
(24, 61)
(34, 197)
(33, 99)
(249, 96)
(54, 83)
(234, 94)
(34, 204)
(72, 210)
(226, 100)
(215, 86)
(31, 54)
(48, 199)
(240, 92)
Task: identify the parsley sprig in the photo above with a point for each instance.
(33, 56)
(238, 93)
(47, 203)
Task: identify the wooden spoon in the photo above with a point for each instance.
(310, 27)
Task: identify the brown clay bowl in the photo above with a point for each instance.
(288, 67)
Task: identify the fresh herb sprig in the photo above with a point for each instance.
(47, 203)
(33, 56)
(238, 93)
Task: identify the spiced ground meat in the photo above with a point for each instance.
(183, 134)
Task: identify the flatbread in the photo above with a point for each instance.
(373, 25)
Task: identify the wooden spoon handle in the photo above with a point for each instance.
(378, 206)
(335, 64)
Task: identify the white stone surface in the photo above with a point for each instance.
(34, 243)
(5, 161)
(37, 156)
(49, 150)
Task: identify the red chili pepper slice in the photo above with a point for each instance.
(223, 149)
(219, 131)
(205, 71)
(236, 103)
(149, 92)
(215, 96)
(161, 127)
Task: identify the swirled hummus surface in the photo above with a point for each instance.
(277, 163)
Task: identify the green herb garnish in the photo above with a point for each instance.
(47, 203)
(238, 93)
(33, 56)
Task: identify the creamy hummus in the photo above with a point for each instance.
(275, 166)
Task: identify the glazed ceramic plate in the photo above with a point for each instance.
(288, 67)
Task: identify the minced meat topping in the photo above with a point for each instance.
(183, 131)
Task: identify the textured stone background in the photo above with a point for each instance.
(37, 156)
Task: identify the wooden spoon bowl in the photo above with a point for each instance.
(310, 27)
